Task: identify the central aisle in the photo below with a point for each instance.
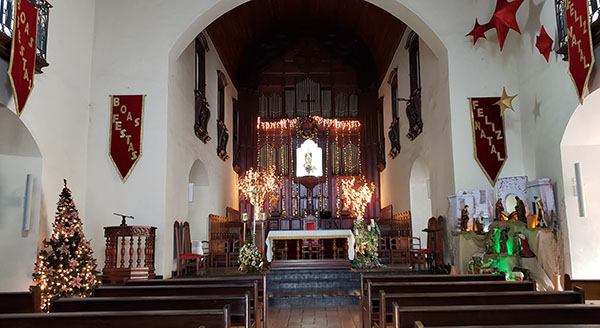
(316, 317)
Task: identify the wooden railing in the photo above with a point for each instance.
(125, 246)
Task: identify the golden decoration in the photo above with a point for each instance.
(505, 102)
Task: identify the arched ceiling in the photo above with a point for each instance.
(245, 34)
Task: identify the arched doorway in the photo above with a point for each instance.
(198, 201)
(581, 145)
(420, 199)
(20, 157)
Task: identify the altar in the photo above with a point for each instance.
(301, 236)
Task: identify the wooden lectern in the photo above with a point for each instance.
(129, 253)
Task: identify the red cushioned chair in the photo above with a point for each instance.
(310, 247)
(186, 259)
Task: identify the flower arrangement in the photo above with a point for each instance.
(250, 258)
(366, 245)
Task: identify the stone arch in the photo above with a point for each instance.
(19, 156)
(581, 144)
(420, 199)
(198, 198)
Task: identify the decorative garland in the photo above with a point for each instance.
(366, 245)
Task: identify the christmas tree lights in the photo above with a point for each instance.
(65, 265)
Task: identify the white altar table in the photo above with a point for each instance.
(310, 234)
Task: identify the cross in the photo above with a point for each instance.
(308, 101)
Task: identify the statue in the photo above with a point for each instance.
(308, 162)
(202, 115)
(541, 214)
(504, 240)
(525, 248)
(394, 134)
(413, 113)
(223, 138)
(520, 209)
(478, 224)
(464, 218)
(499, 210)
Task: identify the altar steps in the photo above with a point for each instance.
(313, 288)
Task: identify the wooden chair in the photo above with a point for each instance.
(183, 248)
(234, 252)
(399, 250)
(311, 247)
(418, 257)
(219, 252)
(384, 250)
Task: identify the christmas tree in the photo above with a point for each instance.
(65, 265)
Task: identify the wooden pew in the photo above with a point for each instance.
(130, 319)
(239, 305)
(21, 302)
(373, 288)
(383, 277)
(257, 296)
(494, 315)
(591, 287)
(472, 298)
(231, 289)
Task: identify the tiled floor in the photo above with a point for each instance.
(321, 317)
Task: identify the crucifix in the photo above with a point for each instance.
(308, 102)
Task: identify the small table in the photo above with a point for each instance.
(310, 234)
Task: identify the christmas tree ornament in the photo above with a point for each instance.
(73, 271)
(543, 43)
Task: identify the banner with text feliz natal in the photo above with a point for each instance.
(581, 50)
(489, 141)
(23, 51)
(126, 127)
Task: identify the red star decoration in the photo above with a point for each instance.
(544, 43)
(504, 19)
(478, 31)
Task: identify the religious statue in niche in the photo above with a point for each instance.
(525, 248)
(478, 224)
(202, 116)
(394, 134)
(499, 213)
(223, 138)
(503, 240)
(520, 210)
(309, 159)
(308, 162)
(413, 113)
(538, 207)
(464, 218)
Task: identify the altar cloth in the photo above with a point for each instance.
(310, 234)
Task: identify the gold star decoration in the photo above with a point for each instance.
(505, 102)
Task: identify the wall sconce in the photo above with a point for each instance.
(190, 192)
(27, 202)
(579, 190)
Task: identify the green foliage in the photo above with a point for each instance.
(65, 266)
(250, 258)
(366, 238)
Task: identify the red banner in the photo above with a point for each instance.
(22, 53)
(488, 135)
(581, 54)
(126, 126)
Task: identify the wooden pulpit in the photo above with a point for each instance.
(129, 253)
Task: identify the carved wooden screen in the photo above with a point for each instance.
(266, 156)
(283, 168)
(351, 159)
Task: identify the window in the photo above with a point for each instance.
(222, 133)
(6, 28)
(561, 23)
(394, 130)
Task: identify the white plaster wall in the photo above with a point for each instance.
(581, 144)
(219, 189)
(56, 115)
(19, 156)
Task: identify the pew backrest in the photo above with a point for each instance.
(591, 287)
(131, 319)
(21, 302)
(492, 315)
(473, 298)
(239, 305)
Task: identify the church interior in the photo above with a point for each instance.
(299, 163)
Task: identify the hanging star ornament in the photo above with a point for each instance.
(544, 43)
(478, 31)
(503, 20)
(505, 102)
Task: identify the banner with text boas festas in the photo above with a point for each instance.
(23, 51)
(126, 126)
(489, 141)
(581, 51)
